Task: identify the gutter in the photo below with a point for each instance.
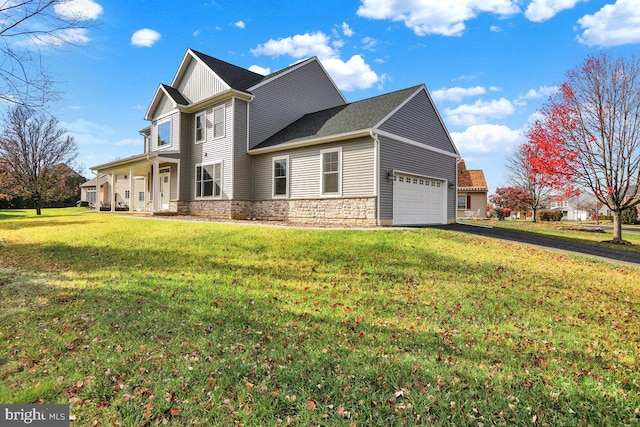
(312, 141)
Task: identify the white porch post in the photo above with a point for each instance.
(98, 195)
(131, 198)
(154, 187)
(113, 191)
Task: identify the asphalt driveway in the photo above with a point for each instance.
(619, 255)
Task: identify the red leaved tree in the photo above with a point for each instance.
(589, 133)
(522, 175)
(515, 199)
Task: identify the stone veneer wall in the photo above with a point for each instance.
(354, 211)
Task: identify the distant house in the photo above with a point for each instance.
(577, 208)
(472, 192)
(225, 142)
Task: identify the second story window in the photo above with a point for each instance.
(218, 122)
(164, 133)
(200, 127)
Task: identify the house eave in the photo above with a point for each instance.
(130, 160)
(312, 141)
(218, 97)
(472, 189)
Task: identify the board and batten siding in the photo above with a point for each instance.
(199, 82)
(407, 158)
(214, 150)
(165, 106)
(288, 97)
(242, 164)
(418, 121)
(358, 170)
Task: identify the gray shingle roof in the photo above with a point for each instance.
(236, 77)
(355, 116)
(175, 95)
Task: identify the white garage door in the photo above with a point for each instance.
(418, 200)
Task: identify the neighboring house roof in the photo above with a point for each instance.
(236, 77)
(470, 180)
(356, 116)
(92, 182)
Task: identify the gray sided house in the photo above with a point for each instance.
(227, 143)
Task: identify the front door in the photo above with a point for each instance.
(165, 189)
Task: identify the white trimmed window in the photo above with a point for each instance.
(200, 128)
(331, 172)
(209, 180)
(164, 133)
(281, 176)
(218, 122)
(127, 194)
(462, 201)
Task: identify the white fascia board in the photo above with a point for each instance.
(189, 56)
(218, 97)
(155, 100)
(402, 104)
(409, 98)
(415, 144)
(313, 141)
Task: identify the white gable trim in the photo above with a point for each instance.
(156, 100)
(422, 88)
(189, 56)
(295, 67)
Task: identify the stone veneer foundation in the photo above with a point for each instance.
(351, 211)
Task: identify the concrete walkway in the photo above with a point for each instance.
(611, 254)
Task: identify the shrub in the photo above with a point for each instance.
(547, 215)
(498, 213)
(630, 215)
(507, 212)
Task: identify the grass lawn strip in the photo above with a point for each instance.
(138, 322)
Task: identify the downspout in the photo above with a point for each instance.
(376, 178)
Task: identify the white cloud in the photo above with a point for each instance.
(486, 138)
(444, 18)
(197, 32)
(298, 46)
(369, 43)
(260, 70)
(145, 37)
(81, 10)
(541, 92)
(613, 25)
(75, 36)
(87, 132)
(479, 111)
(346, 30)
(456, 93)
(129, 141)
(240, 24)
(542, 10)
(351, 75)
(495, 29)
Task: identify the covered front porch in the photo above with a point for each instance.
(142, 183)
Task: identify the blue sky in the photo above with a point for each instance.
(489, 64)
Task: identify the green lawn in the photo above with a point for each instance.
(138, 322)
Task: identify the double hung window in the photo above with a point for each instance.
(209, 180)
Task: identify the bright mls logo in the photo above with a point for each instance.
(34, 415)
